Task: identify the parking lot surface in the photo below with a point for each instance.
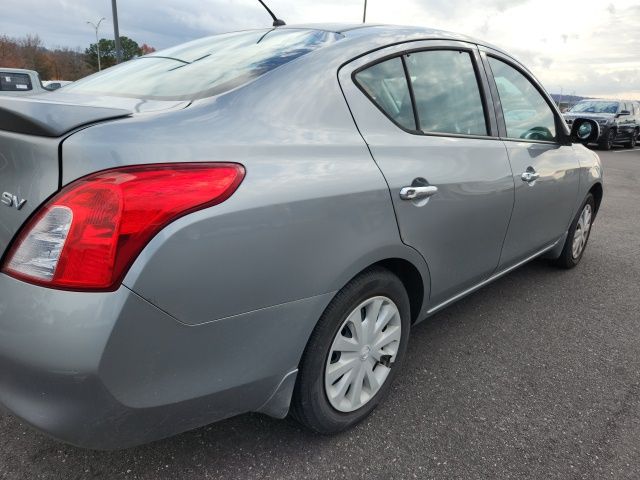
(535, 376)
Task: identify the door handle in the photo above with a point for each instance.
(417, 193)
(530, 175)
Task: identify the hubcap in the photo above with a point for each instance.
(362, 353)
(582, 231)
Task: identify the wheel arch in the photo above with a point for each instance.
(597, 191)
(410, 277)
(404, 262)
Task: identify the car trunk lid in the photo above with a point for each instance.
(51, 119)
(31, 131)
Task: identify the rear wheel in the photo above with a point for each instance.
(632, 141)
(353, 354)
(607, 142)
(578, 236)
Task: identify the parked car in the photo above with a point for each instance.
(619, 120)
(20, 82)
(254, 222)
(55, 84)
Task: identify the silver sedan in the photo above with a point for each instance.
(253, 222)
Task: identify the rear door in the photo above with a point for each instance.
(545, 169)
(448, 172)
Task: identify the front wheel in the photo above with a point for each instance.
(578, 236)
(353, 354)
(607, 142)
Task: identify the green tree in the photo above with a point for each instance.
(130, 49)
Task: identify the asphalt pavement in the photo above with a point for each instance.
(535, 376)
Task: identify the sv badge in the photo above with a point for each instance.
(11, 200)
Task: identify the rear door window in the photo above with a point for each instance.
(446, 92)
(527, 115)
(386, 86)
(15, 82)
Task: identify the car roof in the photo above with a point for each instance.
(360, 30)
(327, 27)
(17, 70)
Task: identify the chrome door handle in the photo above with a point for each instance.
(530, 175)
(417, 193)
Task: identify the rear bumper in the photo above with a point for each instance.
(110, 370)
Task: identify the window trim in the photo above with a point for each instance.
(560, 139)
(472, 50)
(414, 105)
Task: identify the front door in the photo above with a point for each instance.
(545, 172)
(424, 116)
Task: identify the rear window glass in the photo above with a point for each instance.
(15, 82)
(386, 85)
(205, 67)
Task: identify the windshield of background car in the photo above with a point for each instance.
(204, 67)
(595, 107)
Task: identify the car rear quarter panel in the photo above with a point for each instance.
(312, 211)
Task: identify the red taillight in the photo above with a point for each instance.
(87, 236)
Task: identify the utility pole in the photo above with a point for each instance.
(560, 101)
(116, 31)
(364, 15)
(96, 27)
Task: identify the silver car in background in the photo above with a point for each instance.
(254, 221)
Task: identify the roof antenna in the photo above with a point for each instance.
(364, 15)
(276, 21)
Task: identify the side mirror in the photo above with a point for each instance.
(585, 131)
(623, 112)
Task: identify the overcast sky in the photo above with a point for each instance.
(589, 47)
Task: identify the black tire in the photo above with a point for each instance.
(607, 142)
(632, 141)
(566, 259)
(310, 405)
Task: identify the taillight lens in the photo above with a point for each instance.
(87, 236)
